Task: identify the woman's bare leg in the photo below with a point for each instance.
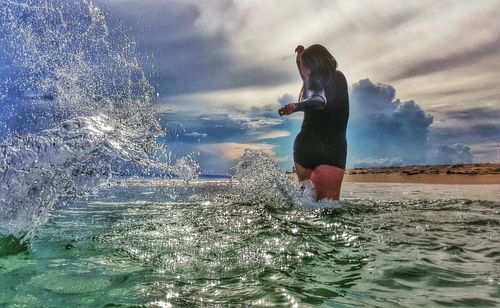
(327, 181)
(302, 172)
(306, 185)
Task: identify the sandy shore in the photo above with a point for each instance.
(424, 179)
(443, 174)
(464, 174)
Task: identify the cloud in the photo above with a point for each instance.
(477, 127)
(382, 126)
(445, 62)
(230, 123)
(230, 151)
(473, 113)
(193, 46)
(487, 130)
(272, 135)
(286, 99)
(486, 152)
(222, 38)
(220, 125)
(220, 134)
(370, 162)
(242, 98)
(383, 130)
(456, 153)
(219, 157)
(196, 135)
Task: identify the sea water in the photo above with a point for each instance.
(163, 243)
(94, 212)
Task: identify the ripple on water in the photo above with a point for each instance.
(70, 283)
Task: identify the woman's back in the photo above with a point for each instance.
(331, 122)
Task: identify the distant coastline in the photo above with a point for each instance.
(480, 173)
(466, 174)
(485, 173)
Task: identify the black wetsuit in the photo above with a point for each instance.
(322, 138)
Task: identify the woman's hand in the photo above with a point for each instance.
(287, 109)
(299, 50)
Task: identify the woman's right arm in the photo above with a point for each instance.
(300, 72)
(299, 50)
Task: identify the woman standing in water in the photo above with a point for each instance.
(320, 149)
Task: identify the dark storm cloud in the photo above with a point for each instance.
(180, 59)
(459, 59)
(383, 131)
(198, 65)
(382, 126)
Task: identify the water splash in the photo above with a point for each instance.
(62, 53)
(259, 179)
(100, 111)
(186, 168)
(71, 159)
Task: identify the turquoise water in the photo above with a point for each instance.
(161, 244)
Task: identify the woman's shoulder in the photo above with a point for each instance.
(313, 81)
(340, 77)
(339, 74)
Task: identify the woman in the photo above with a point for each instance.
(320, 149)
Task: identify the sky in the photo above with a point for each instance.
(423, 75)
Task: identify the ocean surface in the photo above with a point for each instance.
(161, 243)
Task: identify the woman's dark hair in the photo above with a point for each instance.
(321, 63)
